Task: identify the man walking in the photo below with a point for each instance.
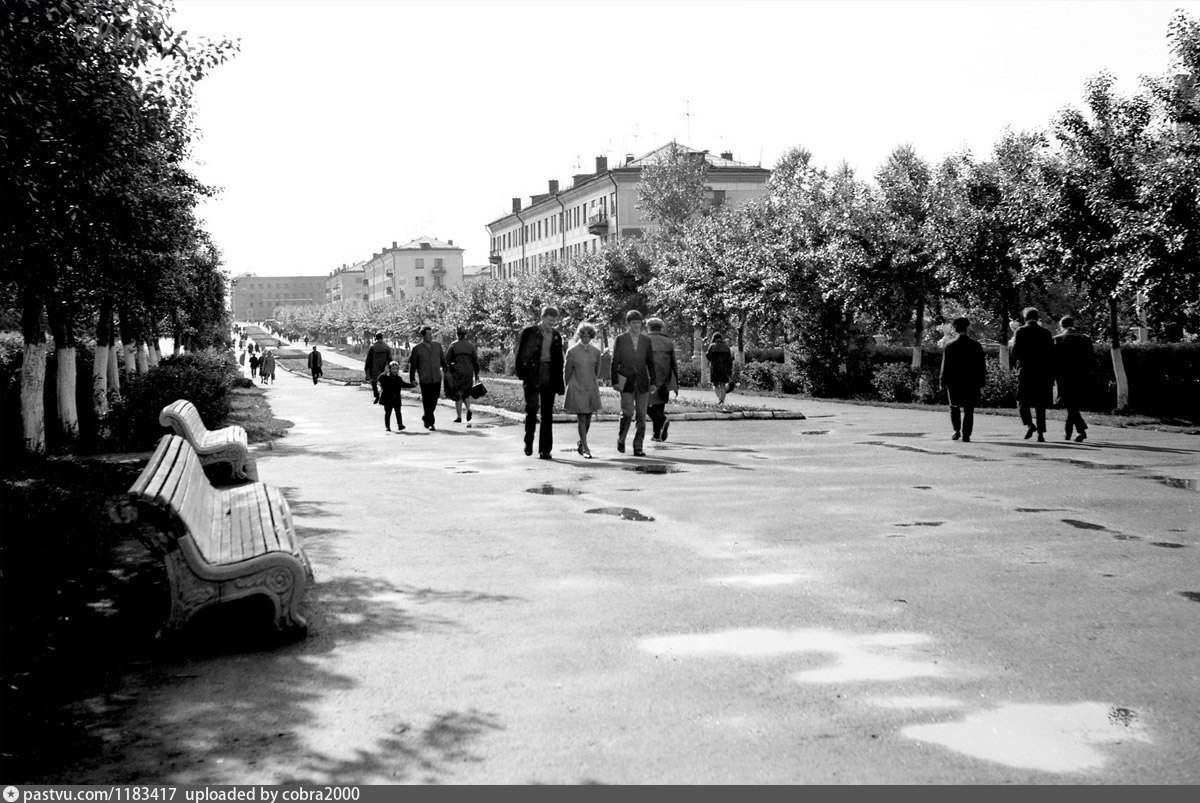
(667, 370)
(1072, 369)
(1033, 351)
(540, 369)
(633, 375)
(314, 364)
(964, 372)
(425, 366)
(378, 357)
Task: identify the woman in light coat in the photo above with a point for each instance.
(581, 374)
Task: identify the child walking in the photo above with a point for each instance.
(390, 385)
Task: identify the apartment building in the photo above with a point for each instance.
(255, 298)
(599, 208)
(347, 283)
(418, 266)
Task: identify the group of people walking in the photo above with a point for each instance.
(643, 370)
(1043, 361)
(262, 362)
(430, 368)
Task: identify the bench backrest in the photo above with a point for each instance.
(188, 414)
(175, 482)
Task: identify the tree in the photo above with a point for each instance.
(674, 188)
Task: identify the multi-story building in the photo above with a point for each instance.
(255, 298)
(473, 272)
(405, 271)
(599, 208)
(347, 283)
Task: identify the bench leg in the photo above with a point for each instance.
(189, 593)
(285, 585)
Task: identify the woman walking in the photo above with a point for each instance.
(464, 373)
(720, 366)
(266, 368)
(581, 374)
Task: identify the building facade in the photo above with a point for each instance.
(407, 271)
(255, 298)
(347, 283)
(599, 208)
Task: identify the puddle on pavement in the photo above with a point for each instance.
(654, 468)
(898, 434)
(813, 432)
(762, 580)
(627, 513)
(1178, 482)
(546, 489)
(1168, 544)
(923, 487)
(1050, 738)
(1083, 525)
(1124, 537)
(922, 524)
(856, 657)
(1040, 509)
(901, 447)
(1194, 596)
(630, 490)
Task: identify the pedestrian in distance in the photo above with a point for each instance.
(1073, 359)
(254, 361)
(378, 357)
(315, 361)
(425, 366)
(390, 385)
(242, 357)
(539, 365)
(666, 369)
(266, 368)
(463, 359)
(633, 375)
(605, 365)
(964, 372)
(581, 375)
(720, 366)
(1033, 351)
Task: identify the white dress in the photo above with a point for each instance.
(581, 369)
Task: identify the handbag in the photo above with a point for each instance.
(477, 391)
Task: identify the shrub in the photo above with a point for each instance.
(896, 383)
(1001, 387)
(759, 376)
(487, 357)
(787, 377)
(203, 378)
(689, 373)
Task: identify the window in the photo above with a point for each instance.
(437, 280)
(419, 264)
(419, 281)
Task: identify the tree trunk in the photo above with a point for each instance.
(176, 331)
(152, 352)
(65, 371)
(33, 375)
(139, 351)
(100, 360)
(128, 346)
(918, 335)
(1114, 333)
(114, 367)
(1005, 359)
(741, 349)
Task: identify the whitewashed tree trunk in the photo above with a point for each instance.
(152, 353)
(1005, 360)
(114, 368)
(1122, 379)
(65, 377)
(33, 405)
(130, 359)
(699, 351)
(100, 380)
(139, 352)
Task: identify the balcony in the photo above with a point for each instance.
(494, 258)
(598, 223)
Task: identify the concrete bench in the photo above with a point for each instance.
(228, 445)
(218, 544)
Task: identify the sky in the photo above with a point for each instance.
(340, 127)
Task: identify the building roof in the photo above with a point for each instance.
(425, 243)
(658, 154)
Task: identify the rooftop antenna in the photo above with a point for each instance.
(635, 138)
(576, 161)
(688, 114)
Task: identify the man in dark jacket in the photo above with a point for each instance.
(633, 375)
(1072, 369)
(964, 372)
(666, 369)
(425, 366)
(1033, 351)
(314, 364)
(540, 369)
(378, 357)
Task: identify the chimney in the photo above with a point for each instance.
(727, 155)
(393, 243)
(450, 241)
(628, 158)
(601, 164)
(553, 186)
(516, 204)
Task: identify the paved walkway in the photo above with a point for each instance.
(851, 598)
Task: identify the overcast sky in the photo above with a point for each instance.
(343, 126)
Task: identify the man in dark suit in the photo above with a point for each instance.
(315, 364)
(425, 366)
(1033, 351)
(964, 372)
(666, 369)
(1072, 369)
(634, 376)
(540, 369)
(378, 357)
